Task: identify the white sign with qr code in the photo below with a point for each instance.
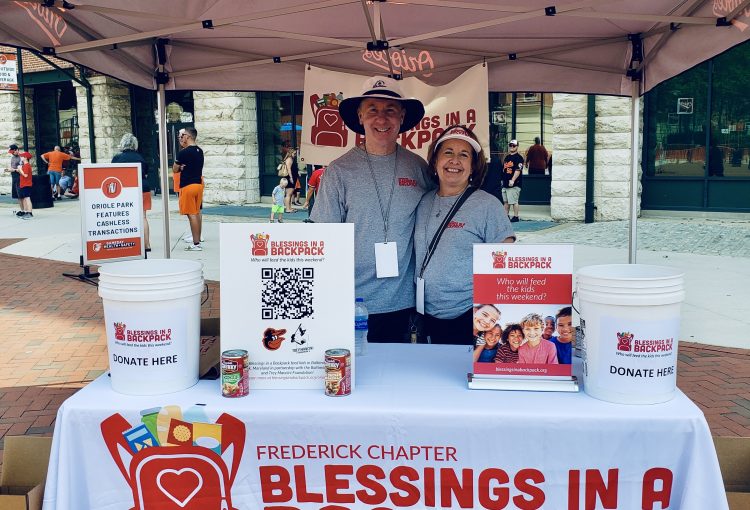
(287, 296)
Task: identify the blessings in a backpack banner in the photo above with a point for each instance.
(325, 137)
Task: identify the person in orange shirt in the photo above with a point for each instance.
(24, 185)
(54, 160)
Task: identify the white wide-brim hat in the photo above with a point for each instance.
(381, 87)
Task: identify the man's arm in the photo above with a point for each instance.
(46, 162)
(177, 167)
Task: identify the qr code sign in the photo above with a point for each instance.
(287, 292)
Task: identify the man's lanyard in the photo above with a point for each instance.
(465, 194)
(384, 212)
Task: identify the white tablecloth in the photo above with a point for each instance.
(494, 449)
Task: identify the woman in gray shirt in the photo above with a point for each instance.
(444, 269)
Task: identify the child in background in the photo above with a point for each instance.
(278, 199)
(24, 185)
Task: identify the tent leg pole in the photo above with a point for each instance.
(634, 129)
(162, 113)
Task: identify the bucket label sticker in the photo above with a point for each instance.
(635, 354)
(149, 345)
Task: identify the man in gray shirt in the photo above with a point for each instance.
(377, 186)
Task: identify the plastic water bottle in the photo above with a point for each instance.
(360, 326)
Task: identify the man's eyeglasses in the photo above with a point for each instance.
(512, 145)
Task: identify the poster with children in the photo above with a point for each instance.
(523, 310)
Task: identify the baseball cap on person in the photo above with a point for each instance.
(26, 155)
(513, 142)
(381, 87)
(460, 133)
(13, 147)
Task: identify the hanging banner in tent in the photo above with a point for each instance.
(8, 72)
(325, 137)
(287, 296)
(111, 211)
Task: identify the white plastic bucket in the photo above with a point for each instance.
(630, 317)
(152, 317)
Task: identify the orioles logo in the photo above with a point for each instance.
(498, 259)
(273, 338)
(625, 341)
(119, 330)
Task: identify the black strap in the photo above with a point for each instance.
(439, 233)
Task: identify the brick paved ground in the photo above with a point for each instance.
(53, 342)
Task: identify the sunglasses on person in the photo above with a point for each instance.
(512, 145)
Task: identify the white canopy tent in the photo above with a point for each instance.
(580, 46)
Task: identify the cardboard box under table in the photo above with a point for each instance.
(734, 459)
(25, 460)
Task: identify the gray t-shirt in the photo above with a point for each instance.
(348, 195)
(15, 162)
(449, 275)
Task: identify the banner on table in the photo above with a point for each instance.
(8, 72)
(176, 457)
(111, 211)
(325, 137)
(522, 310)
(287, 295)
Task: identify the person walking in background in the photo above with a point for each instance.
(537, 158)
(189, 164)
(313, 185)
(278, 195)
(15, 163)
(512, 179)
(129, 154)
(54, 160)
(24, 185)
(289, 160)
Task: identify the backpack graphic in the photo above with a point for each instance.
(185, 477)
(329, 129)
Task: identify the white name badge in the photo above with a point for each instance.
(386, 260)
(420, 295)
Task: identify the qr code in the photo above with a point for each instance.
(287, 293)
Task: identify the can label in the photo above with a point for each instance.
(235, 376)
(338, 366)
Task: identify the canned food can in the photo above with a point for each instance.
(235, 377)
(338, 379)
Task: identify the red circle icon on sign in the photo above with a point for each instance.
(3, 59)
(111, 187)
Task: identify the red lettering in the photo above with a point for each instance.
(424, 123)
(595, 486)
(435, 121)
(651, 495)
(521, 482)
(423, 137)
(406, 140)
(449, 484)
(275, 484)
(367, 477)
(334, 484)
(574, 483)
(429, 486)
(398, 478)
(300, 483)
(490, 484)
